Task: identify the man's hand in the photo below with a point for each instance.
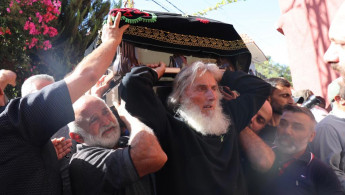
(7, 77)
(227, 93)
(101, 86)
(108, 32)
(159, 68)
(62, 146)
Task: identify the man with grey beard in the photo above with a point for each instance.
(201, 140)
(296, 170)
(100, 166)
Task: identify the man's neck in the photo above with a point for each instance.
(275, 120)
(338, 111)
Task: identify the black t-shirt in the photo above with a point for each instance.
(28, 162)
(268, 134)
(196, 164)
(305, 175)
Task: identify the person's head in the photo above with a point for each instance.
(7, 77)
(280, 94)
(339, 98)
(335, 54)
(261, 118)
(95, 124)
(36, 83)
(197, 98)
(295, 130)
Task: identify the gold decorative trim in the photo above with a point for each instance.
(180, 39)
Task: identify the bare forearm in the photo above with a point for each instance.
(146, 152)
(90, 69)
(95, 64)
(259, 154)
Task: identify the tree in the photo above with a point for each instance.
(269, 69)
(26, 26)
(77, 24)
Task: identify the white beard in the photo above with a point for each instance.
(215, 123)
(107, 142)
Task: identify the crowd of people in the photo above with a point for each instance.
(221, 131)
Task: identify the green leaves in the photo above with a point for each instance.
(270, 69)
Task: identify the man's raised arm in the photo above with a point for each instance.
(93, 66)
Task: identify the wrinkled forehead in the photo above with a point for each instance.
(91, 107)
(297, 118)
(204, 78)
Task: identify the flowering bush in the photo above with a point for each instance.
(28, 23)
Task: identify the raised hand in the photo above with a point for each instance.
(62, 146)
(111, 30)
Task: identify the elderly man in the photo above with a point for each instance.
(27, 123)
(36, 83)
(335, 54)
(329, 142)
(7, 77)
(296, 170)
(201, 140)
(280, 96)
(100, 166)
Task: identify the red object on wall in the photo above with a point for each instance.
(305, 24)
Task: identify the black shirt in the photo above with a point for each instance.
(196, 164)
(268, 134)
(305, 175)
(28, 163)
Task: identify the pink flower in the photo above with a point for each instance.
(38, 15)
(47, 45)
(52, 32)
(11, 3)
(8, 31)
(57, 3)
(8, 10)
(20, 11)
(33, 42)
(45, 29)
(27, 24)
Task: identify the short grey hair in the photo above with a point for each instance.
(186, 77)
(28, 85)
(75, 128)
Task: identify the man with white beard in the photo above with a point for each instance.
(100, 165)
(296, 170)
(201, 140)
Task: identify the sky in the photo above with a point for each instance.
(255, 18)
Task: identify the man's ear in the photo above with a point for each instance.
(78, 138)
(269, 99)
(337, 98)
(311, 138)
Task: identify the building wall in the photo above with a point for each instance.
(305, 24)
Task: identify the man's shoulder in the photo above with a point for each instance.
(332, 122)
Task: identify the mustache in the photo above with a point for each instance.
(107, 127)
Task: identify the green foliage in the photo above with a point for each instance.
(270, 69)
(78, 25)
(25, 27)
